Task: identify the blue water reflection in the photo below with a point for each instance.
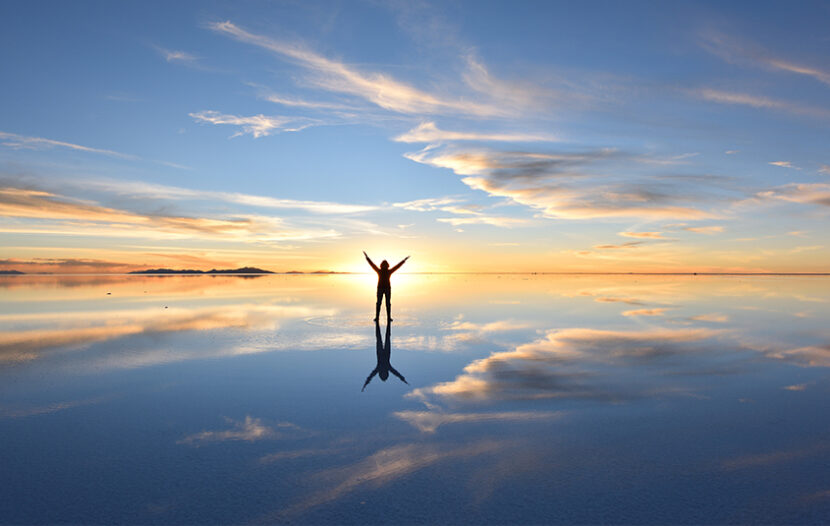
(532, 399)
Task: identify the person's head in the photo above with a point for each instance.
(383, 375)
(384, 264)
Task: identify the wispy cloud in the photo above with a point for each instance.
(500, 221)
(757, 101)
(428, 132)
(377, 88)
(81, 329)
(176, 56)
(645, 312)
(430, 421)
(143, 190)
(13, 140)
(382, 468)
(784, 164)
(99, 220)
(429, 204)
(712, 229)
(742, 52)
(255, 125)
(807, 193)
(825, 169)
(713, 317)
(646, 235)
(249, 430)
(302, 103)
(629, 244)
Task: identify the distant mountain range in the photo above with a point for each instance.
(243, 270)
(10, 273)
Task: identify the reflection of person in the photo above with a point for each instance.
(384, 352)
(384, 286)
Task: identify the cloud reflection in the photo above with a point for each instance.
(430, 421)
(572, 363)
(249, 430)
(384, 467)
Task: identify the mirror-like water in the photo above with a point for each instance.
(529, 399)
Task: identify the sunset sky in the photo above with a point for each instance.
(475, 136)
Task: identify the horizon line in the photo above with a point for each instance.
(334, 272)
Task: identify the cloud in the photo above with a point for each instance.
(646, 235)
(470, 331)
(429, 132)
(176, 56)
(81, 329)
(430, 421)
(825, 169)
(377, 88)
(644, 312)
(713, 318)
(610, 299)
(796, 387)
(557, 184)
(757, 101)
(737, 51)
(13, 140)
(500, 221)
(427, 205)
(731, 152)
(811, 356)
(99, 220)
(519, 97)
(630, 244)
(256, 125)
(668, 161)
(570, 364)
(6, 412)
(806, 193)
(709, 230)
(381, 468)
(784, 164)
(140, 189)
(249, 430)
(301, 103)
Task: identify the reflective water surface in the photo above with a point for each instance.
(529, 399)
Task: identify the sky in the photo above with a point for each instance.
(474, 136)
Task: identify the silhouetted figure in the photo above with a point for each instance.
(384, 352)
(384, 286)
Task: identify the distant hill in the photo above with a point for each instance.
(243, 270)
(11, 273)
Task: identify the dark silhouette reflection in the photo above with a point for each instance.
(384, 352)
(384, 285)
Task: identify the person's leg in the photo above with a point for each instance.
(377, 305)
(388, 306)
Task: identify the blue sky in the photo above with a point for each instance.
(547, 136)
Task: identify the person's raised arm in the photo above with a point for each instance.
(369, 379)
(396, 267)
(399, 375)
(372, 263)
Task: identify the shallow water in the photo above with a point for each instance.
(530, 399)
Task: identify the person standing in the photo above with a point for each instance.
(384, 285)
